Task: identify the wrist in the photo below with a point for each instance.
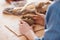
(31, 35)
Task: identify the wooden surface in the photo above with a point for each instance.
(9, 27)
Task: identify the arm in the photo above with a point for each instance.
(53, 24)
(25, 29)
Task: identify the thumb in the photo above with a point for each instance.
(22, 22)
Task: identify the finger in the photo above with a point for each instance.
(31, 28)
(20, 25)
(35, 18)
(22, 22)
(34, 15)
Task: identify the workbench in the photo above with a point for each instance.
(9, 27)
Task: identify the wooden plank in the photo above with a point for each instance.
(11, 22)
(7, 34)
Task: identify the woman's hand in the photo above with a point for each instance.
(26, 30)
(39, 19)
(24, 27)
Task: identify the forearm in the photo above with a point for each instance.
(31, 36)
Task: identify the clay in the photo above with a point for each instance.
(8, 11)
(28, 19)
(40, 33)
(23, 38)
(12, 11)
(42, 7)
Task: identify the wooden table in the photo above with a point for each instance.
(9, 27)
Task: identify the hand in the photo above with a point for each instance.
(26, 30)
(39, 19)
